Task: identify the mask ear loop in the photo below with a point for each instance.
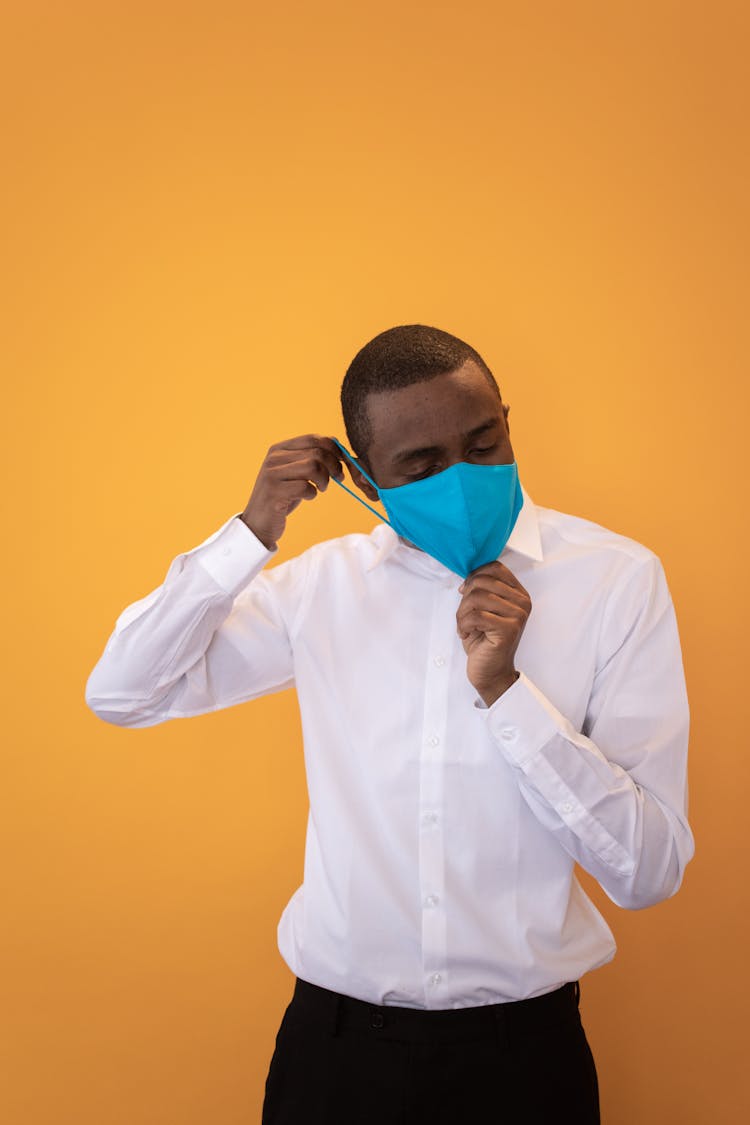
(369, 507)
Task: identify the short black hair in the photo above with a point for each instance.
(398, 357)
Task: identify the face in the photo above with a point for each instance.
(427, 427)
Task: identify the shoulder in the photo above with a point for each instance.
(625, 574)
(355, 551)
(562, 532)
(613, 564)
(330, 570)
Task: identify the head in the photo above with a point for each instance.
(417, 400)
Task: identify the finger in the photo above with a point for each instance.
(307, 441)
(329, 455)
(496, 569)
(486, 577)
(486, 586)
(282, 458)
(292, 493)
(334, 464)
(325, 445)
(306, 468)
(499, 607)
(485, 622)
(492, 602)
(502, 611)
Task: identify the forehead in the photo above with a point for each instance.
(432, 413)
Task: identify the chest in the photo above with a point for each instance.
(381, 663)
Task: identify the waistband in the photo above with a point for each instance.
(337, 1014)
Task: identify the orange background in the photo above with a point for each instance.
(208, 209)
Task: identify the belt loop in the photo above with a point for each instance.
(577, 992)
(501, 1026)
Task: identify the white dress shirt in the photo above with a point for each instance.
(442, 834)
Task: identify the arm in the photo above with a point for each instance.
(216, 632)
(614, 794)
(213, 634)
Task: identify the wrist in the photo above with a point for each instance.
(492, 693)
(267, 540)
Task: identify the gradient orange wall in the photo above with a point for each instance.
(209, 208)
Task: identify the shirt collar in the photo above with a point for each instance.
(524, 539)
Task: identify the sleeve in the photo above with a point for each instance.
(615, 793)
(214, 633)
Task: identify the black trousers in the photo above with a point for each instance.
(340, 1061)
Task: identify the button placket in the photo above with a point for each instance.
(431, 787)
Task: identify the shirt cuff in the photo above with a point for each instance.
(233, 555)
(522, 720)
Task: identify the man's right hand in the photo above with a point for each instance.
(292, 471)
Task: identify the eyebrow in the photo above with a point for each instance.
(428, 450)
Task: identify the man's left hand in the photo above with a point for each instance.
(492, 616)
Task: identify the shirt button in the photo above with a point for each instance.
(227, 551)
(429, 818)
(435, 978)
(431, 900)
(434, 741)
(508, 734)
(440, 661)
(567, 807)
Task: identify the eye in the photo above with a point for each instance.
(484, 448)
(425, 473)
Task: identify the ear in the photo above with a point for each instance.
(506, 412)
(362, 482)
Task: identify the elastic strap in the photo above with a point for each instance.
(369, 507)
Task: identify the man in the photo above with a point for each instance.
(490, 693)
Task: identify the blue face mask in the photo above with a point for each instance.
(462, 516)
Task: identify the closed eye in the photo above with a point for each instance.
(478, 450)
(425, 473)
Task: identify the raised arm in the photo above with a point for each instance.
(216, 631)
